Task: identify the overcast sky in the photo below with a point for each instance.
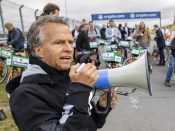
(79, 9)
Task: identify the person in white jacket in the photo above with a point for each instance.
(112, 33)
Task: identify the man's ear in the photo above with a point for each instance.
(38, 51)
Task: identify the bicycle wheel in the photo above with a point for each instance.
(129, 61)
(3, 71)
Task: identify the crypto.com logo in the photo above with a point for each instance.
(132, 15)
(100, 17)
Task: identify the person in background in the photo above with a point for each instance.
(135, 28)
(15, 37)
(127, 30)
(102, 32)
(93, 33)
(171, 65)
(142, 36)
(166, 33)
(75, 32)
(51, 9)
(122, 31)
(112, 33)
(160, 44)
(82, 23)
(82, 42)
(172, 34)
(108, 25)
(90, 58)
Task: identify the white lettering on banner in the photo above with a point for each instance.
(118, 59)
(124, 43)
(120, 16)
(145, 15)
(5, 53)
(108, 47)
(113, 46)
(136, 52)
(110, 16)
(93, 44)
(108, 56)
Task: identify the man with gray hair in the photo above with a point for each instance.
(53, 95)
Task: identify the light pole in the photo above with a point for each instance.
(66, 7)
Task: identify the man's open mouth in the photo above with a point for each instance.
(65, 57)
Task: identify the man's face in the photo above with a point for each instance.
(9, 27)
(77, 27)
(111, 24)
(104, 26)
(142, 25)
(56, 48)
(155, 28)
(93, 58)
(91, 25)
(85, 28)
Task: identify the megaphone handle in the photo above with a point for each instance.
(108, 106)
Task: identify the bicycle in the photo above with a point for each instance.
(17, 64)
(4, 54)
(112, 56)
(136, 52)
(156, 56)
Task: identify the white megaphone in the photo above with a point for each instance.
(136, 74)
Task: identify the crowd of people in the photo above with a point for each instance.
(50, 95)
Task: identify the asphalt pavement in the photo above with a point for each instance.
(141, 112)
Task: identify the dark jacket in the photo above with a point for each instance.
(73, 32)
(172, 46)
(159, 39)
(127, 29)
(102, 33)
(82, 42)
(46, 100)
(123, 32)
(16, 39)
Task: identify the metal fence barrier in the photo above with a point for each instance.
(20, 16)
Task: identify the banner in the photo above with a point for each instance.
(132, 15)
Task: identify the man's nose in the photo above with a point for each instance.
(68, 46)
